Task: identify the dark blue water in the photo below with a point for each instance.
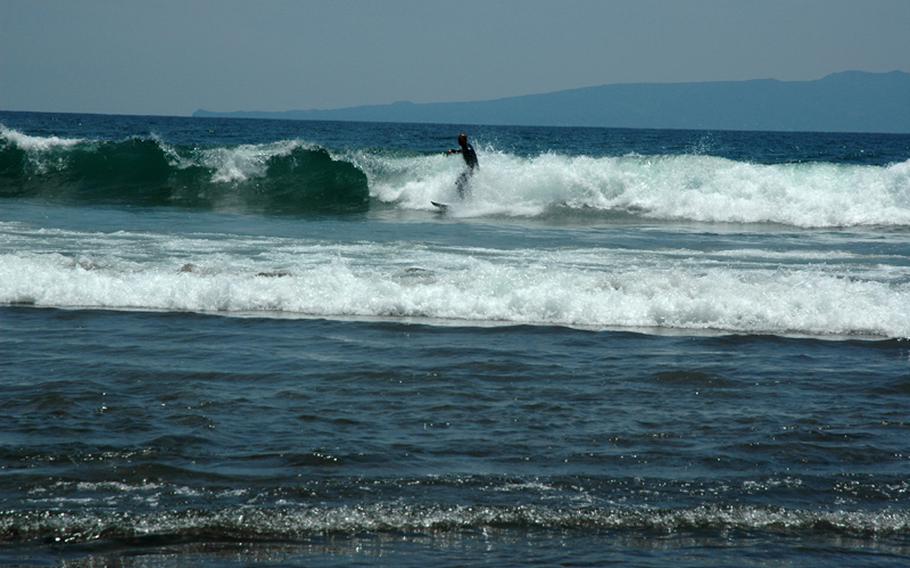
(638, 347)
(761, 147)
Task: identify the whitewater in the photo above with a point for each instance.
(830, 293)
(695, 188)
(668, 187)
(228, 341)
(819, 291)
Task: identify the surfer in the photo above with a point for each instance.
(470, 158)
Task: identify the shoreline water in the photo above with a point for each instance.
(361, 408)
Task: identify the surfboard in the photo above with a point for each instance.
(440, 206)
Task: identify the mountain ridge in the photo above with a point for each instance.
(846, 101)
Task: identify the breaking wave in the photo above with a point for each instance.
(287, 176)
(295, 176)
(680, 187)
(585, 288)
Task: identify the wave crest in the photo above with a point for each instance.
(291, 175)
(287, 176)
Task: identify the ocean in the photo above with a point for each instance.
(227, 342)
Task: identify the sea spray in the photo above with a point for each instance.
(681, 187)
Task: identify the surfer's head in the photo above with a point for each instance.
(462, 139)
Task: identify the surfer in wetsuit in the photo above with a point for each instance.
(470, 158)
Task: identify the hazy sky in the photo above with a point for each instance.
(172, 57)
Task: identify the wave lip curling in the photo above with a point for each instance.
(280, 177)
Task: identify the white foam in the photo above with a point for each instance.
(36, 143)
(228, 163)
(240, 163)
(291, 521)
(698, 188)
(597, 288)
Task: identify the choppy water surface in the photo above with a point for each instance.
(226, 342)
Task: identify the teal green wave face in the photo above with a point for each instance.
(283, 177)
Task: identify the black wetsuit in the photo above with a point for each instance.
(470, 158)
(469, 155)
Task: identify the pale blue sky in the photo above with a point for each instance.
(171, 57)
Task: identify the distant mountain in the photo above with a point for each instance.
(851, 101)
